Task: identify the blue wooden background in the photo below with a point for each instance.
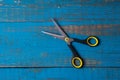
(27, 54)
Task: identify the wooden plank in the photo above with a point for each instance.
(106, 13)
(27, 46)
(60, 74)
(23, 45)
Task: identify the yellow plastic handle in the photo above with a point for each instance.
(80, 62)
(91, 44)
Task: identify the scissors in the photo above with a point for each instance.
(76, 61)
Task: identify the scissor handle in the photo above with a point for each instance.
(92, 44)
(74, 59)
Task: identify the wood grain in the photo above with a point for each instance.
(60, 74)
(26, 53)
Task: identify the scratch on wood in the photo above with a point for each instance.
(91, 62)
(16, 50)
(85, 30)
(57, 79)
(44, 54)
(36, 70)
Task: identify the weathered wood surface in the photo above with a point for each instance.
(60, 74)
(23, 45)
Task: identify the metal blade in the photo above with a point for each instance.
(59, 28)
(54, 35)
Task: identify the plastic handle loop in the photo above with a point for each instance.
(80, 62)
(91, 44)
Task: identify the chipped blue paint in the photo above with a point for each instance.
(39, 56)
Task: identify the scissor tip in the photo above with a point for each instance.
(42, 31)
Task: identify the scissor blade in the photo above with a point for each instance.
(54, 35)
(59, 28)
